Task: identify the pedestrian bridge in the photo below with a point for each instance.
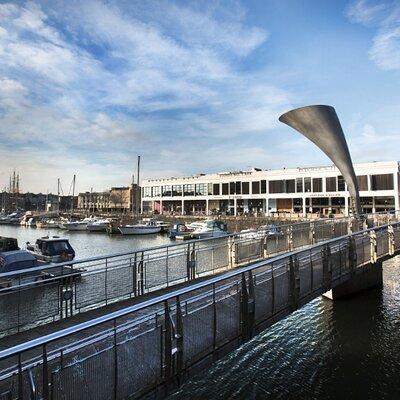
(191, 303)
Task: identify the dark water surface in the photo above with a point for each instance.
(348, 349)
(86, 244)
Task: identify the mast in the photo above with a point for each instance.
(73, 195)
(137, 187)
(58, 195)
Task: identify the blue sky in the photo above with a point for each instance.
(86, 86)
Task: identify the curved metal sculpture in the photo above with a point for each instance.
(321, 125)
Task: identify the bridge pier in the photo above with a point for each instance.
(369, 278)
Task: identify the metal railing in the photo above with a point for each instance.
(81, 285)
(148, 346)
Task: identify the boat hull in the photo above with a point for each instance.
(139, 230)
(75, 227)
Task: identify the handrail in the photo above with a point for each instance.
(147, 249)
(167, 246)
(167, 296)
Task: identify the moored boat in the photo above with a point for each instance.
(51, 249)
(98, 226)
(144, 228)
(210, 228)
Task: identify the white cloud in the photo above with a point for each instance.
(385, 16)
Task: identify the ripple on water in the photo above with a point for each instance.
(347, 349)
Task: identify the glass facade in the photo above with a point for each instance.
(331, 184)
(255, 187)
(307, 184)
(299, 185)
(225, 188)
(216, 189)
(362, 182)
(317, 185)
(263, 186)
(382, 182)
(177, 190)
(245, 187)
(188, 190)
(341, 184)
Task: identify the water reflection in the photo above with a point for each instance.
(348, 349)
(86, 244)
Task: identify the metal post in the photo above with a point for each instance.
(294, 279)
(373, 246)
(391, 240)
(352, 255)
(326, 268)
(115, 359)
(45, 375)
(244, 317)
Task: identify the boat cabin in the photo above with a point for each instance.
(16, 260)
(52, 249)
(8, 244)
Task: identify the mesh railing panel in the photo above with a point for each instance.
(139, 363)
(91, 378)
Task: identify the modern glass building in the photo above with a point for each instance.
(295, 190)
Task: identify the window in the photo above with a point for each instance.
(225, 188)
(232, 187)
(188, 190)
(299, 185)
(201, 189)
(255, 187)
(382, 182)
(276, 186)
(167, 190)
(210, 189)
(263, 186)
(362, 182)
(307, 184)
(147, 192)
(177, 190)
(238, 187)
(331, 184)
(156, 191)
(341, 184)
(216, 189)
(317, 184)
(245, 187)
(290, 186)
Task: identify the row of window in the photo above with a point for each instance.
(298, 185)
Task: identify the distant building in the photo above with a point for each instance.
(117, 199)
(296, 190)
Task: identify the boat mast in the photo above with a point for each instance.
(58, 196)
(73, 195)
(137, 187)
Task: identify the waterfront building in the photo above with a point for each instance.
(117, 199)
(316, 190)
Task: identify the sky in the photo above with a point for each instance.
(192, 87)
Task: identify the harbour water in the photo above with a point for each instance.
(343, 350)
(86, 244)
(348, 349)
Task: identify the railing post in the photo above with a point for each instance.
(168, 332)
(349, 226)
(294, 279)
(45, 372)
(20, 379)
(352, 255)
(289, 238)
(179, 337)
(141, 273)
(373, 246)
(232, 251)
(326, 268)
(244, 311)
(191, 262)
(312, 233)
(391, 243)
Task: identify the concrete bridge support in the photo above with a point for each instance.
(369, 278)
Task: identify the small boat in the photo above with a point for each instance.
(74, 225)
(16, 260)
(47, 224)
(51, 249)
(98, 226)
(178, 229)
(144, 228)
(210, 228)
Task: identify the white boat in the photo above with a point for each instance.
(143, 228)
(210, 228)
(74, 225)
(98, 226)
